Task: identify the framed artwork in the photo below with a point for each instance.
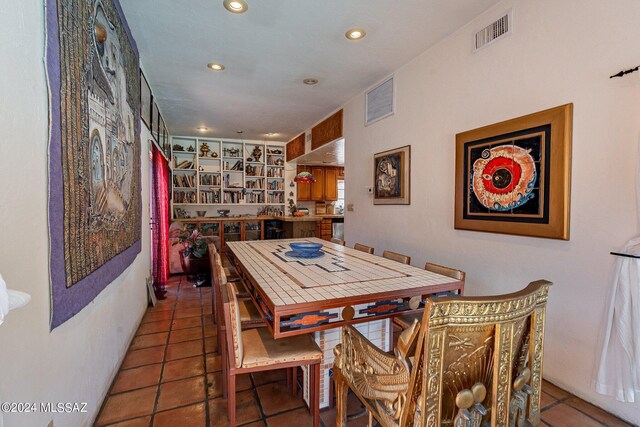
(145, 101)
(95, 202)
(166, 147)
(155, 119)
(161, 134)
(514, 177)
(391, 177)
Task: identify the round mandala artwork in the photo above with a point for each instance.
(504, 177)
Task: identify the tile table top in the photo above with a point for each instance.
(340, 273)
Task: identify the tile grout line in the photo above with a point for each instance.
(204, 361)
(164, 356)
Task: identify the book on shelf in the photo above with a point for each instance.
(185, 181)
(275, 172)
(275, 198)
(206, 179)
(237, 166)
(254, 184)
(185, 164)
(210, 196)
(232, 197)
(254, 197)
(275, 185)
(274, 160)
(251, 170)
(184, 197)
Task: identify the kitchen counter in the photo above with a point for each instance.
(312, 218)
(225, 219)
(307, 218)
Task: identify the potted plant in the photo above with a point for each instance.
(194, 257)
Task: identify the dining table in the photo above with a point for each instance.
(336, 286)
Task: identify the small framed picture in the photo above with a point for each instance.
(391, 177)
(161, 134)
(145, 101)
(155, 119)
(166, 147)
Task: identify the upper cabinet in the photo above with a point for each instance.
(327, 130)
(325, 189)
(331, 184)
(317, 188)
(304, 188)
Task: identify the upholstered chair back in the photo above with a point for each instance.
(233, 324)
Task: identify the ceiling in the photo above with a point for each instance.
(270, 49)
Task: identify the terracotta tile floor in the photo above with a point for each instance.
(171, 377)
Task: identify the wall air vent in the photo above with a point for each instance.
(494, 31)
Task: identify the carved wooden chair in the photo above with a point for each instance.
(407, 319)
(478, 361)
(363, 248)
(338, 241)
(394, 256)
(255, 350)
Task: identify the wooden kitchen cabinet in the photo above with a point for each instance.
(324, 229)
(317, 188)
(340, 173)
(331, 184)
(304, 188)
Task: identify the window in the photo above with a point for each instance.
(340, 201)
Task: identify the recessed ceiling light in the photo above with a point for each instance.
(216, 67)
(310, 82)
(202, 128)
(272, 134)
(236, 6)
(355, 34)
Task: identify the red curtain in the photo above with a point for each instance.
(160, 220)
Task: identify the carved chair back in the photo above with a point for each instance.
(479, 360)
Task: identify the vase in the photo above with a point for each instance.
(196, 268)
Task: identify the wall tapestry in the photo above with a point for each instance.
(94, 150)
(391, 177)
(514, 177)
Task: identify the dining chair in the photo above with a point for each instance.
(477, 361)
(213, 253)
(249, 315)
(338, 241)
(406, 319)
(363, 248)
(394, 256)
(255, 350)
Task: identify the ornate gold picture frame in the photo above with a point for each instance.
(514, 177)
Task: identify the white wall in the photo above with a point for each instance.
(77, 361)
(560, 52)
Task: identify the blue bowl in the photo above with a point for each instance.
(306, 248)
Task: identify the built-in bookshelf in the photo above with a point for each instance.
(226, 172)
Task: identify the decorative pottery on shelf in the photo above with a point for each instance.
(305, 250)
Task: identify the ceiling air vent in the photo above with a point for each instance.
(492, 32)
